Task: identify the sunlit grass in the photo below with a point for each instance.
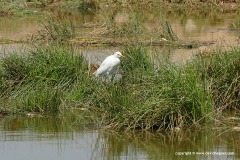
(149, 99)
(222, 72)
(55, 79)
(54, 29)
(134, 24)
(38, 80)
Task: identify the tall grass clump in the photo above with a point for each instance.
(38, 81)
(55, 29)
(146, 97)
(235, 25)
(222, 72)
(8, 7)
(149, 99)
(133, 22)
(86, 6)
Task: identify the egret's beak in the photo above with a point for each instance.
(122, 56)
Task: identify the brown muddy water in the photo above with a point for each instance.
(54, 138)
(215, 28)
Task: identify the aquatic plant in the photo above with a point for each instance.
(54, 29)
(38, 81)
(235, 25)
(149, 96)
(86, 6)
(222, 71)
(148, 99)
(19, 7)
(133, 24)
(7, 7)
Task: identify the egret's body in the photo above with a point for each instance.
(109, 66)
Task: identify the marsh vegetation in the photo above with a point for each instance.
(148, 96)
(152, 94)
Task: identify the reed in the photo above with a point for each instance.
(222, 72)
(54, 29)
(87, 6)
(132, 23)
(150, 95)
(38, 81)
(149, 100)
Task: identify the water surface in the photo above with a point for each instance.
(52, 138)
(188, 27)
(56, 138)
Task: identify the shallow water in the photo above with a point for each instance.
(51, 138)
(54, 138)
(188, 27)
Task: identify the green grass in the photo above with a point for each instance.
(38, 81)
(222, 72)
(9, 6)
(54, 29)
(148, 100)
(148, 96)
(20, 7)
(133, 23)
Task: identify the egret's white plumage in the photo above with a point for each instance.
(109, 65)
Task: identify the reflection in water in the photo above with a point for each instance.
(18, 28)
(54, 138)
(187, 27)
(164, 147)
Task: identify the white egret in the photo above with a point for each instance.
(109, 66)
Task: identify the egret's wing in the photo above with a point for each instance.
(102, 70)
(105, 66)
(107, 61)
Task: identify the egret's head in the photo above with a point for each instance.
(118, 54)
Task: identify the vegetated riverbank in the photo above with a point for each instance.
(152, 30)
(149, 96)
(130, 22)
(16, 7)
